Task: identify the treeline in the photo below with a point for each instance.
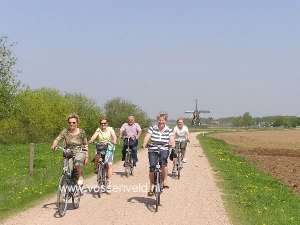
(246, 120)
(39, 115)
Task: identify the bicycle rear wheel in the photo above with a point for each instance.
(76, 196)
(62, 196)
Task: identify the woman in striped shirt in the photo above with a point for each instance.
(159, 135)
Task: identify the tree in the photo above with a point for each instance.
(9, 85)
(247, 119)
(117, 111)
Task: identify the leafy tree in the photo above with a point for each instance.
(87, 110)
(9, 86)
(280, 121)
(117, 111)
(247, 119)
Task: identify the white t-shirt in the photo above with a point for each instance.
(180, 134)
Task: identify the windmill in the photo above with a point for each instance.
(196, 114)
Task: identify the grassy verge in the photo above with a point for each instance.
(251, 196)
(20, 190)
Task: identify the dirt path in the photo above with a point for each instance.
(195, 195)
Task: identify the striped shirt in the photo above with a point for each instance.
(159, 138)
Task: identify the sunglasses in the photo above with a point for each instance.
(103, 123)
(72, 122)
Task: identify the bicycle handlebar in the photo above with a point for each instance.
(69, 149)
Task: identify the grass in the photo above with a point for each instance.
(20, 190)
(251, 196)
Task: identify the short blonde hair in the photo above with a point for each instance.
(73, 116)
(162, 114)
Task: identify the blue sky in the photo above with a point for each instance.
(233, 56)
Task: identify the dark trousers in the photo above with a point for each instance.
(134, 151)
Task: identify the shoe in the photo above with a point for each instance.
(96, 171)
(80, 182)
(134, 164)
(124, 164)
(108, 187)
(150, 193)
(165, 186)
(184, 160)
(174, 171)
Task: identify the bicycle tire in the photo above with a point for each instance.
(179, 164)
(104, 177)
(157, 191)
(131, 165)
(76, 196)
(127, 164)
(100, 179)
(62, 196)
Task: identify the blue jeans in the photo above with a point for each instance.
(134, 151)
(163, 160)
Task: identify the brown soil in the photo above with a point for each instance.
(194, 199)
(276, 152)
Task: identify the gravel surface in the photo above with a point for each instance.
(194, 199)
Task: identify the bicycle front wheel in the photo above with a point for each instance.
(62, 196)
(179, 164)
(76, 196)
(127, 164)
(157, 190)
(100, 180)
(131, 165)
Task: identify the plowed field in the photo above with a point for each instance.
(276, 152)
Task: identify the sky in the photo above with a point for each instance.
(233, 56)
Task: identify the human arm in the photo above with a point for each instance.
(187, 135)
(146, 139)
(95, 135)
(172, 141)
(138, 134)
(113, 136)
(56, 141)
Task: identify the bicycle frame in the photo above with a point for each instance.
(158, 179)
(68, 187)
(128, 158)
(102, 170)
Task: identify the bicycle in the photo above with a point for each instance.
(158, 179)
(102, 181)
(179, 163)
(68, 187)
(128, 163)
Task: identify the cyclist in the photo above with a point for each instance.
(73, 137)
(159, 134)
(133, 130)
(105, 134)
(181, 133)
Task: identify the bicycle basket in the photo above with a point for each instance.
(101, 148)
(128, 141)
(68, 154)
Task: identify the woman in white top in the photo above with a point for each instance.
(181, 134)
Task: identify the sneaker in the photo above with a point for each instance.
(80, 182)
(174, 171)
(150, 193)
(184, 160)
(96, 171)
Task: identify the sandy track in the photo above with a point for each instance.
(195, 195)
